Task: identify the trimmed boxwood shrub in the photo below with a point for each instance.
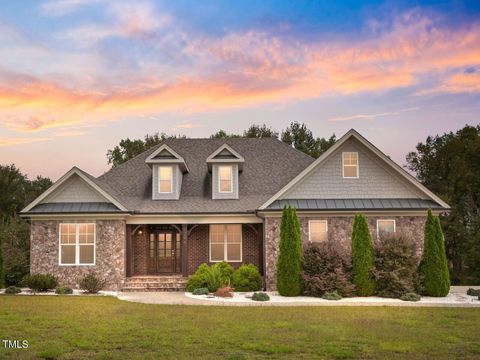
(289, 264)
(434, 267)
(260, 296)
(198, 279)
(326, 268)
(410, 297)
(63, 290)
(13, 290)
(395, 266)
(200, 291)
(362, 257)
(247, 278)
(91, 283)
(40, 282)
(333, 295)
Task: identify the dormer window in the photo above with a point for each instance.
(225, 165)
(168, 168)
(350, 165)
(165, 178)
(225, 178)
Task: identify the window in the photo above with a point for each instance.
(226, 243)
(165, 176)
(225, 179)
(77, 244)
(350, 165)
(317, 231)
(385, 228)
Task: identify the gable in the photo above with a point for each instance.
(74, 190)
(164, 154)
(375, 181)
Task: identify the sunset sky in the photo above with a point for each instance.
(76, 76)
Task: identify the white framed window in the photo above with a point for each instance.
(350, 165)
(226, 242)
(165, 179)
(77, 244)
(317, 231)
(385, 228)
(225, 179)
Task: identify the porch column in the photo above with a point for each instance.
(184, 247)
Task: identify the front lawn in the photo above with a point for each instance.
(105, 327)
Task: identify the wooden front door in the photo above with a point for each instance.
(164, 252)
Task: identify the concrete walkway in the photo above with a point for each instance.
(456, 298)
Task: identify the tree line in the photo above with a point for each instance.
(447, 164)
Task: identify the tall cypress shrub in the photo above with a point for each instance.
(434, 267)
(289, 264)
(2, 271)
(363, 258)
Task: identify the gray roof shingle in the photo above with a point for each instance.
(269, 165)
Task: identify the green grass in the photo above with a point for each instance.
(105, 327)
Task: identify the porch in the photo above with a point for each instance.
(167, 254)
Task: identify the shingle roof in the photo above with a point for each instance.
(269, 165)
(90, 207)
(356, 204)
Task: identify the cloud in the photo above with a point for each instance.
(370, 116)
(168, 69)
(4, 141)
(63, 7)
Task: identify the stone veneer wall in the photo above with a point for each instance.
(109, 258)
(340, 231)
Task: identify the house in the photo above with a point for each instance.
(150, 222)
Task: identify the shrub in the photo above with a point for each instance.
(247, 278)
(91, 283)
(332, 295)
(395, 266)
(40, 282)
(410, 297)
(226, 271)
(13, 290)
(362, 257)
(200, 291)
(63, 290)
(2, 270)
(326, 268)
(260, 296)
(198, 279)
(434, 268)
(473, 292)
(289, 264)
(224, 291)
(215, 278)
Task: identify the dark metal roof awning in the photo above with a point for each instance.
(80, 207)
(356, 204)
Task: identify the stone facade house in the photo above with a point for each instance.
(150, 222)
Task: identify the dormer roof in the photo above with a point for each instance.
(225, 154)
(166, 155)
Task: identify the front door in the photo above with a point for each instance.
(164, 252)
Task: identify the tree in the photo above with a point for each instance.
(433, 268)
(289, 264)
(301, 138)
(363, 259)
(260, 131)
(222, 134)
(128, 149)
(449, 165)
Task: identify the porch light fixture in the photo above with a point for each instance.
(140, 231)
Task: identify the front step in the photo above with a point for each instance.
(155, 283)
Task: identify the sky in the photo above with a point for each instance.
(77, 76)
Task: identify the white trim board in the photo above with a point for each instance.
(73, 171)
(353, 133)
